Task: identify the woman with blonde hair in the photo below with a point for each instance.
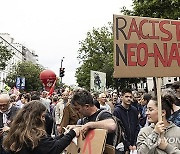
(160, 137)
(27, 134)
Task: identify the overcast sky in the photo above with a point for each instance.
(53, 28)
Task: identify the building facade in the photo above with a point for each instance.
(21, 53)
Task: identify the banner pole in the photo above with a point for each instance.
(158, 82)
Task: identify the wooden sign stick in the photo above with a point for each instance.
(158, 82)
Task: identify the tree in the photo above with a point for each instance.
(5, 55)
(28, 70)
(96, 53)
(168, 9)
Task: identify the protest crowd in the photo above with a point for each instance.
(37, 123)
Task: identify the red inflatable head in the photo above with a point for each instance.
(47, 77)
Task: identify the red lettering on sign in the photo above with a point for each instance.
(165, 52)
(144, 48)
(177, 23)
(88, 139)
(174, 55)
(141, 30)
(153, 29)
(165, 31)
(133, 28)
(131, 53)
(157, 55)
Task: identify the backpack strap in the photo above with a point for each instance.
(115, 140)
(119, 132)
(100, 113)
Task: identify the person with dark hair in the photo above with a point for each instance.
(176, 87)
(83, 102)
(136, 102)
(144, 101)
(175, 110)
(35, 95)
(25, 98)
(27, 134)
(18, 101)
(96, 103)
(160, 137)
(128, 114)
(115, 99)
(95, 99)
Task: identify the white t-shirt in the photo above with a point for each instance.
(105, 107)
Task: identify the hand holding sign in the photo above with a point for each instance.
(85, 128)
(92, 144)
(77, 131)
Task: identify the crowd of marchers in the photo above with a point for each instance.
(36, 122)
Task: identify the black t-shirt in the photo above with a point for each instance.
(103, 116)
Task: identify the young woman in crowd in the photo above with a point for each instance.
(161, 137)
(25, 99)
(175, 113)
(27, 134)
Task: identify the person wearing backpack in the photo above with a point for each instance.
(83, 102)
(128, 115)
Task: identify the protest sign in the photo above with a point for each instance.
(94, 143)
(98, 81)
(146, 47)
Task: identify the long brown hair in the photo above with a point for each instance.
(27, 127)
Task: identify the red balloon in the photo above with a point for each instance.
(47, 77)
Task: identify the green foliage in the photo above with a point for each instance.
(167, 9)
(96, 53)
(28, 70)
(5, 55)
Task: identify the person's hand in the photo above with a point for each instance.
(130, 147)
(163, 143)
(133, 147)
(77, 131)
(59, 129)
(85, 128)
(69, 127)
(6, 129)
(159, 127)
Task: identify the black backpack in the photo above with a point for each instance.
(119, 133)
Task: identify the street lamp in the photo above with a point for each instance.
(62, 61)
